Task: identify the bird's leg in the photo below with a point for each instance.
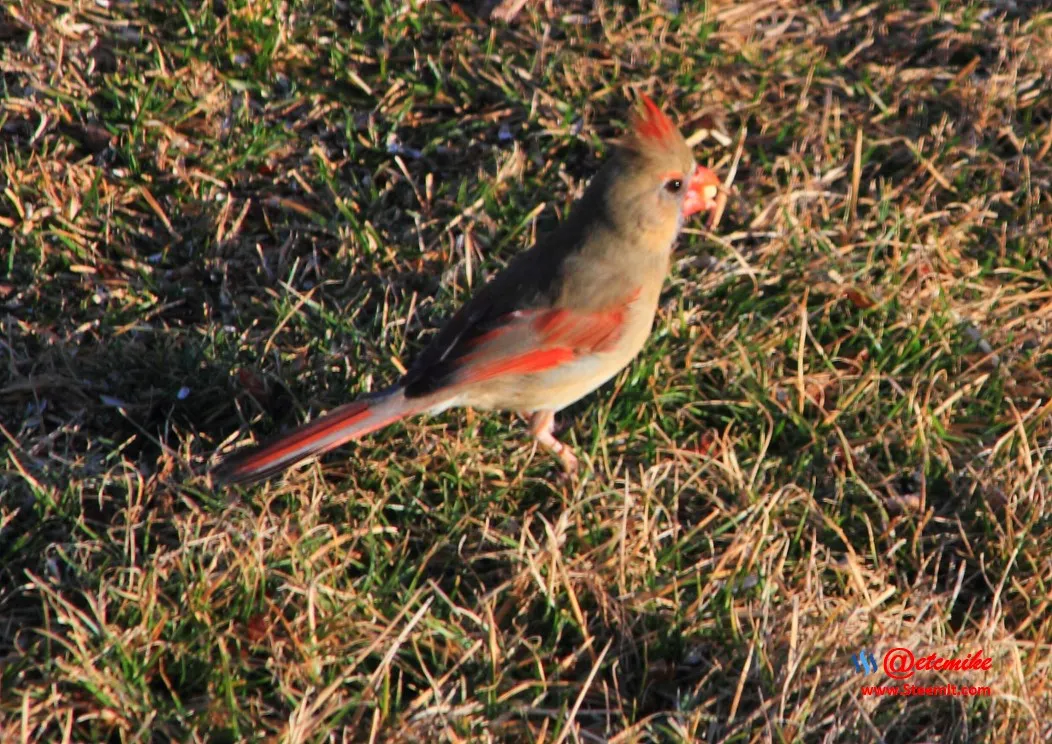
(542, 424)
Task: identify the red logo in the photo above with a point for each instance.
(900, 663)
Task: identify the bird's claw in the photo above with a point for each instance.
(542, 425)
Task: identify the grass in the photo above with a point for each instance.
(220, 217)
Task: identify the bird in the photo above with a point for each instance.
(561, 319)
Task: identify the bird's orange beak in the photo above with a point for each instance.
(701, 191)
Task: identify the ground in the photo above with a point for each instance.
(219, 219)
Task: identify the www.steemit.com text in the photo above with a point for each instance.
(932, 691)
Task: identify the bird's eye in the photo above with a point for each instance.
(673, 185)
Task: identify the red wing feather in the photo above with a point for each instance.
(584, 334)
(534, 341)
(521, 364)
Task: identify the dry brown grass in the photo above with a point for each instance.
(223, 215)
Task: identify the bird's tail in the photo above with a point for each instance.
(341, 425)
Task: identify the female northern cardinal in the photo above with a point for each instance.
(563, 317)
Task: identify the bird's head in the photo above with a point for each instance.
(655, 183)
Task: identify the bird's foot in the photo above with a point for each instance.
(542, 426)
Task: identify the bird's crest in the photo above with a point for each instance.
(650, 126)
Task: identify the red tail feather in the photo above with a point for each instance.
(343, 424)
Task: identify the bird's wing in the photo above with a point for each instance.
(518, 342)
